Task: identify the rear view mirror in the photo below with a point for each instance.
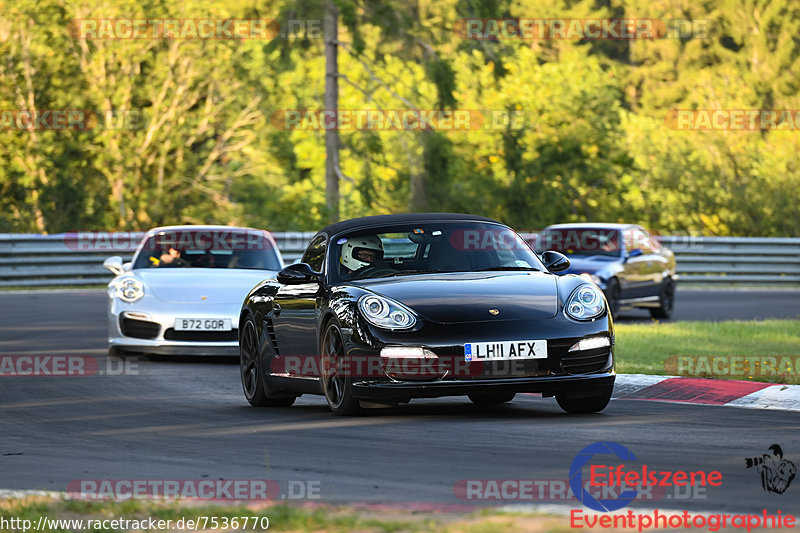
(298, 274)
(555, 261)
(114, 264)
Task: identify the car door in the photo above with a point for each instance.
(635, 266)
(295, 313)
(645, 268)
(657, 267)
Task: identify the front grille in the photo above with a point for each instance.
(139, 329)
(201, 336)
(506, 369)
(585, 362)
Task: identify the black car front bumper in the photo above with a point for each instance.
(575, 386)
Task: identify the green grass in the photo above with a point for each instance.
(653, 348)
(282, 517)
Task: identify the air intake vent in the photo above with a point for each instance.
(272, 339)
(202, 336)
(139, 329)
(585, 362)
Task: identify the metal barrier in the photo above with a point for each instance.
(737, 260)
(55, 260)
(31, 260)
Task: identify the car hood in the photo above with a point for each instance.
(190, 285)
(467, 297)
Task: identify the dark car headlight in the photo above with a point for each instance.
(585, 302)
(386, 313)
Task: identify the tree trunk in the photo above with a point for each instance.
(331, 104)
(419, 193)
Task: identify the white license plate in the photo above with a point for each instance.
(505, 350)
(202, 324)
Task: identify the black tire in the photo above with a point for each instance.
(125, 355)
(491, 398)
(113, 351)
(612, 295)
(582, 404)
(256, 392)
(666, 301)
(337, 388)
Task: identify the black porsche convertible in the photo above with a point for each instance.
(388, 308)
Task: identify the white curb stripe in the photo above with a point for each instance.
(785, 397)
(627, 384)
(781, 397)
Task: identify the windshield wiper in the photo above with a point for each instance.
(517, 268)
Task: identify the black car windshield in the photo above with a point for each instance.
(435, 247)
(586, 241)
(241, 249)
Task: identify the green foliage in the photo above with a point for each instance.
(592, 141)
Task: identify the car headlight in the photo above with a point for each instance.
(129, 290)
(385, 313)
(585, 302)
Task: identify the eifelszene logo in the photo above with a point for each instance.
(623, 481)
(576, 476)
(776, 472)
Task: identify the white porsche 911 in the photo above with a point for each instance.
(183, 290)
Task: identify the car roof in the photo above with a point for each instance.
(597, 225)
(403, 218)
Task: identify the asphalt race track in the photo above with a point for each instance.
(187, 419)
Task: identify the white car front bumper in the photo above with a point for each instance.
(148, 326)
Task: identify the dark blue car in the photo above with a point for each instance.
(624, 260)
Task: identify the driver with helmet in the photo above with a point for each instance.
(359, 253)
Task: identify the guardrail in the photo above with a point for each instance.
(748, 260)
(31, 260)
(48, 260)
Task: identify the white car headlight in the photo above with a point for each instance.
(129, 289)
(385, 313)
(585, 302)
(590, 343)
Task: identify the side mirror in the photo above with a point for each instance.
(114, 264)
(555, 261)
(127, 267)
(298, 274)
(634, 253)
